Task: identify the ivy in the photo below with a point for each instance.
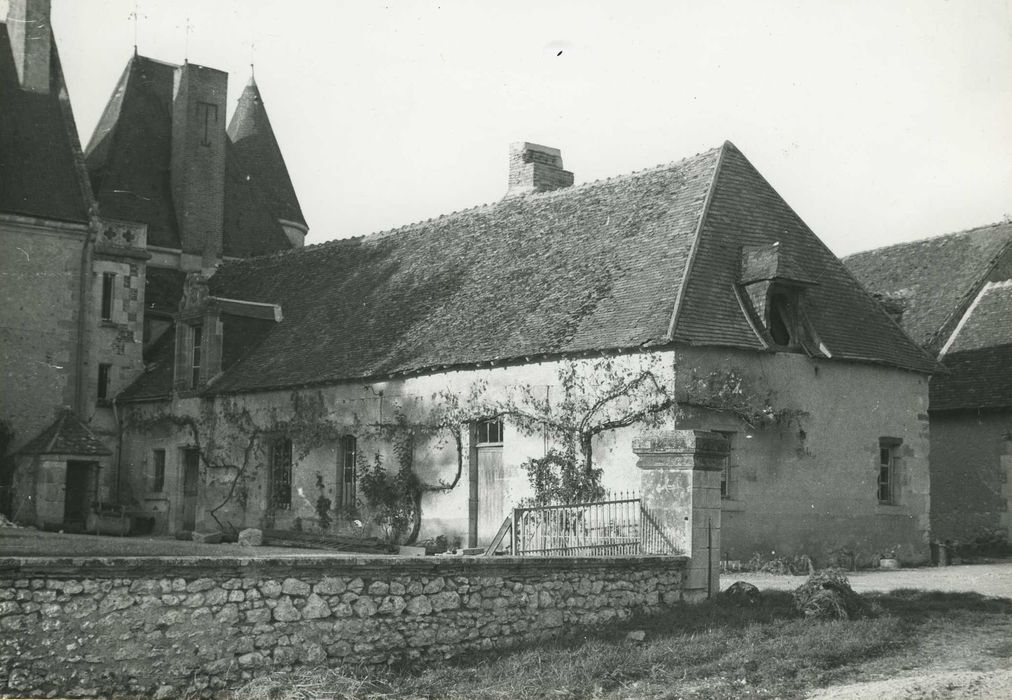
(727, 391)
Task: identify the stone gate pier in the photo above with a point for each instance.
(680, 485)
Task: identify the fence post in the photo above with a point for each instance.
(680, 485)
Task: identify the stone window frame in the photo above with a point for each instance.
(108, 295)
(888, 467)
(103, 383)
(728, 485)
(348, 465)
(158, 470)
(196, 353)
(279, 475)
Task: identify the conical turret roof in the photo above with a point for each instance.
(260, 156)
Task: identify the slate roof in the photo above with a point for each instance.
(156, 380)
(260, 156)
(933, 280)
(38, 168)
(988, 322)
(163, 289)
(976, 379)
(582, 269)
(129, 158)
(66, 435)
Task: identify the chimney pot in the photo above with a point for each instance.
(536, 168)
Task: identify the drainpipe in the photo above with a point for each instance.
(84, 294)
(119, 446)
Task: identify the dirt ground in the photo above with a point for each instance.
(963, 664)
(26, 542)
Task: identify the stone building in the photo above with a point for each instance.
(94, 246)
(285, 373)
(953, 295)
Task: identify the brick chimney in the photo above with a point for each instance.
(31, 38)
(535, 168)
(198, 162)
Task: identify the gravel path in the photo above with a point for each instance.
(993, 685)
(980, 681)
(993, 579)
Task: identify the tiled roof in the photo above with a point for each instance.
(260, 156)
(38, 173)
(163, 288)
(976, 379)
(129, 160)
(988, 321)
(67, 436)
(933, 280)
(746, 211)
(156, 381)
(586, 268)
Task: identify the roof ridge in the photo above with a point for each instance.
(386, 233)
(697, 234)
(925, 239)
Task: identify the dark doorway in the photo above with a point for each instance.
(191, 486)
(78, 495)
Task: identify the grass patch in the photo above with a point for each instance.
(711, 650)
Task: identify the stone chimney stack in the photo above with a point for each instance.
(535, 168)
(198, 162)
(31, 36)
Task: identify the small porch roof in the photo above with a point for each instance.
(66, 435)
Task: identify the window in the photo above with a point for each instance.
(489, 432)
(198, 340)
(781, 321)
(208, 113)
(726, 489)
(347, 475)
(108, 284)
(888, 468)
(103, 381)
(281, 474)
(158, 470)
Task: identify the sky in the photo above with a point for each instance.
(878, 122)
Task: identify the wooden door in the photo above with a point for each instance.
(191, 487)
(77, 495)
(493, 493)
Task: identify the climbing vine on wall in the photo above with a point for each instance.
(728, 391)
(589, 398)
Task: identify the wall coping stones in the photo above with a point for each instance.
(327, 565)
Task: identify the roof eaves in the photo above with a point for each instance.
(683, 283)
(660, 346)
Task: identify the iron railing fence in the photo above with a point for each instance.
(616, 526)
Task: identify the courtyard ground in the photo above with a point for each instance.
(993, 579)
(28, 542)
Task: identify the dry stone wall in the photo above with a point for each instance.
(169, 627)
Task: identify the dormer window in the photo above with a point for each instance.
(771, 289)
(781, 318)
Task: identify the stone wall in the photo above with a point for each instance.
(172, 626)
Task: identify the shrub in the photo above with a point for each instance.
(797, 565)
(827, 595)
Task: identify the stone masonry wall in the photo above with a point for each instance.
(197, 625)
